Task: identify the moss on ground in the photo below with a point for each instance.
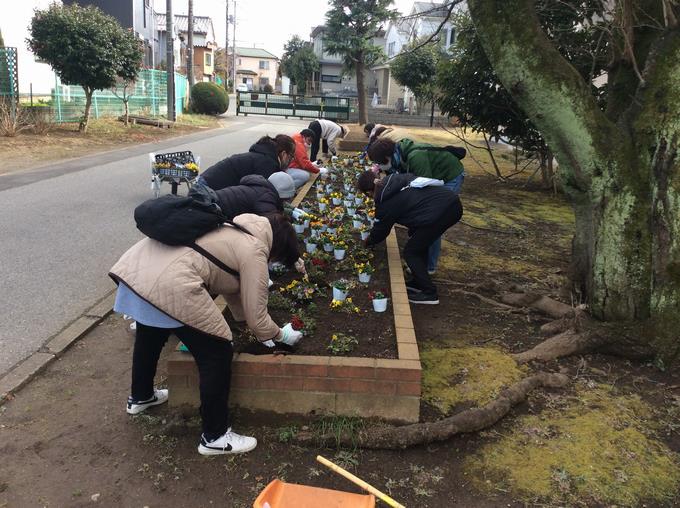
(452, 376)
(595, 448)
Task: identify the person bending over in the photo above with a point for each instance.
(426, 211)
(167, 290)
(325, 135)
(264, 158)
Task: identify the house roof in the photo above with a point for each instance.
(433, 9)
(202, 24)
(255, 53)
(246, 72)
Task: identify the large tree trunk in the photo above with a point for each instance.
(86, 114)
(361, 92)
(620, 171)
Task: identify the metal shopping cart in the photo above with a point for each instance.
(174, 168)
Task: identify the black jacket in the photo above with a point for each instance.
(398, 203)
(261, 160)
(254, 194)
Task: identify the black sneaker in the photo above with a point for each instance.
(423, 298)
(412, 287)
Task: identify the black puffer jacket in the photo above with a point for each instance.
(261, 160)
(254, 194)
(398, 203)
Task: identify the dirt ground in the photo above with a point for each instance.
(609, 439)
(27, 150)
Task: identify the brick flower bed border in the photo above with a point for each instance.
(327, 385)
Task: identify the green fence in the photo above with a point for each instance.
(9, 79)
(148, 97)
(334, 108)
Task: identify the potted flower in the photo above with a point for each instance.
(348, 203)
(334, 176)
(315, 228)
(327, 240)
(339, 249)
(323, 204)
(358, 200)
(364, 271)
(311, 245)
(357, 222)
(365, 231)
(351, 210)
(379, 299)
(347, 186)
(336, 197)
(299, 225)
(340, 289)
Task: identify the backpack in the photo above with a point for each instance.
(180, 220)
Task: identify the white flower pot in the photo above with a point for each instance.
(314, 233)
(365, 235)
(337, 201)
(306, 223)
(334, 158)
(351, 211)
(334, 177)
(347, 187)
(364, 278)
(380, 305)
(320, 195)
(322, 207)
(329, 188)
(348, 203)
(328, 247)
(339, 295)
(351, 196)
(339, 254)
(358, 201)
(311, 247)
(348, 162)
(299, 228)
(357, 224)
(324, 228)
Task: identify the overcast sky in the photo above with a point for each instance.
(264, 24)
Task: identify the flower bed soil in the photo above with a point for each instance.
(374, 331)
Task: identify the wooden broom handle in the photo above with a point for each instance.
(358, 481)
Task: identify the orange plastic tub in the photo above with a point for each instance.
(290, 495)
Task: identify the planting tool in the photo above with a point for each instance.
(358, 481)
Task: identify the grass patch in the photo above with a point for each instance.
(196, 120)
(594, 449)
(452, 376)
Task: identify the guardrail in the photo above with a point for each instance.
(256, 103)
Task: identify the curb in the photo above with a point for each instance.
(24, 372)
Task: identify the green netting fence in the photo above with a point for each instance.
(9, 79)
(148, 97)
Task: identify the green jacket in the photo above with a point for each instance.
(429, 161)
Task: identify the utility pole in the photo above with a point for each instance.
(233, 60)
(170, 57)
(226, 51)
(190, 45)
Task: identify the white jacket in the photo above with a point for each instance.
(330, 131)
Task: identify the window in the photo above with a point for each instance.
(452, 36)
(329, 78)
(264, 64)
(239, 61)
(208, 59)
(390, 49)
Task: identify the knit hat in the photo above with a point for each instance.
(284, 184)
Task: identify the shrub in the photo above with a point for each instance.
(268, 88)
(209, 99)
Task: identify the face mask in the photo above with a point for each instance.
(308, 145)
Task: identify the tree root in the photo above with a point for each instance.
(470, 420)
(541, 303)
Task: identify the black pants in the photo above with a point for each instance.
(316, 128)
(213, 358)
(418, 244)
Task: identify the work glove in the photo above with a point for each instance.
(323, 172)
(300, 266)
(297, 213)
(289, 336)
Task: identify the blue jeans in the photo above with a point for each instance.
(436, 247)
(299, 176)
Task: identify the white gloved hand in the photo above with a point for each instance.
(289, 336)
(270, 283)
(300, 266)
(297, 213)
(323, 171)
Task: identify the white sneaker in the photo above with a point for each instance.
(134, 406)
(228, 443)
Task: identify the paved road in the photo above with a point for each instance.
(63, 226)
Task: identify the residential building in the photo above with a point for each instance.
(137, 15)
(256, 67)
(421, 22)
(330, 79)
(34, 75)
(205, 45)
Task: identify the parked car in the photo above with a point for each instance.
(242, 87)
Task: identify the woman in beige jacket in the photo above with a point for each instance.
(168, 290)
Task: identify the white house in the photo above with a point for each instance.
(14, 24)
(421, 22)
